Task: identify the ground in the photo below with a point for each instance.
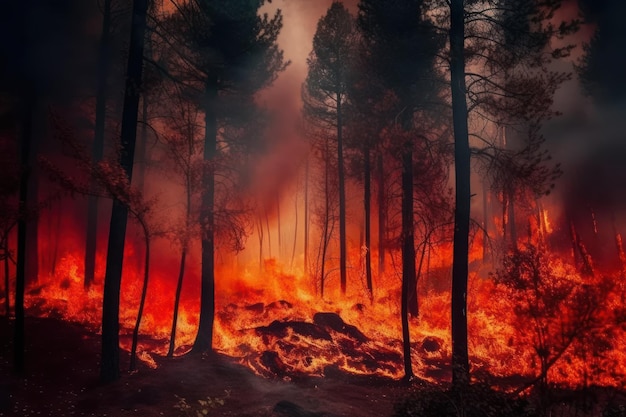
(61, 379)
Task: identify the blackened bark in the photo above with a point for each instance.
(342, 199)
(485, 220)
(381, 215)
(179, 289)
(181, 271)
(142, 302)
(306, 218)
(20, 273)
(204, 338)
(408, 256)
(98, 144)
(460, 359)
(7, 292)
(367, 197)
(109, 367)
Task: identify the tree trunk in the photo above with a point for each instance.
(280, 245)
(408, 256)
(511, 217)
(31, 268)
(142, 302)
(98, 144)
(109, 367)
(367, 197)
(460, 359)
(20, 273)
(181, 271)
(7, 288)
(485, 221)
(260, 234)
(295, 230)
(204, 338)
(179, 289)
(342, 199)
(306, 217)
(381, 215)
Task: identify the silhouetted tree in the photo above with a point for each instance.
(109, 367)
(403, 47)
(326, 85)
(184, 146)
(98, 143)
(227, 53)
(507, 41)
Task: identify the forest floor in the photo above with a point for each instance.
(61, 379)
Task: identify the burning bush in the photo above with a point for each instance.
(560, 314)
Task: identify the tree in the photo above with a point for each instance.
(227, 53)
(142, 213)
(183, 145)
(109, 367)
(507, 37)
(32, 33)
(556, 307)
(403, 46)
(326, 85)
(98, 143)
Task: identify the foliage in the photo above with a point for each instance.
(557, 310)
(203, 408)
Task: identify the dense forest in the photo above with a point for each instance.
(421, 200)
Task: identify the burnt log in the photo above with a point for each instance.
(272, 362)
(279, 329)
(335, 322)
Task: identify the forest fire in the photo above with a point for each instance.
(417, 194)
(273, 321)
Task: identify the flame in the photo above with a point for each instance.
(268, 317)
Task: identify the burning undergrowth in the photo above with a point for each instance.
(274, 324)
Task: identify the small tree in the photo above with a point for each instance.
(555, 307)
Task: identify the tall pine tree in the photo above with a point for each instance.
(227, 52)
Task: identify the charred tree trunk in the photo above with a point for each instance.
(342, 199)
(460, 359)
(181, 271)
(31, 268)
(280, 245)
(7, 288)
(295, 230)
(179, 289)
(381, 215)
(20, 273)
(326, 233)
(485, 221)
(306, 217)
(142, 302)
(204, 338)
(98, 144)
(269, 234)
(511, 216)
(367, 197)
(260, 234)
(109, 367)
(408, 257)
